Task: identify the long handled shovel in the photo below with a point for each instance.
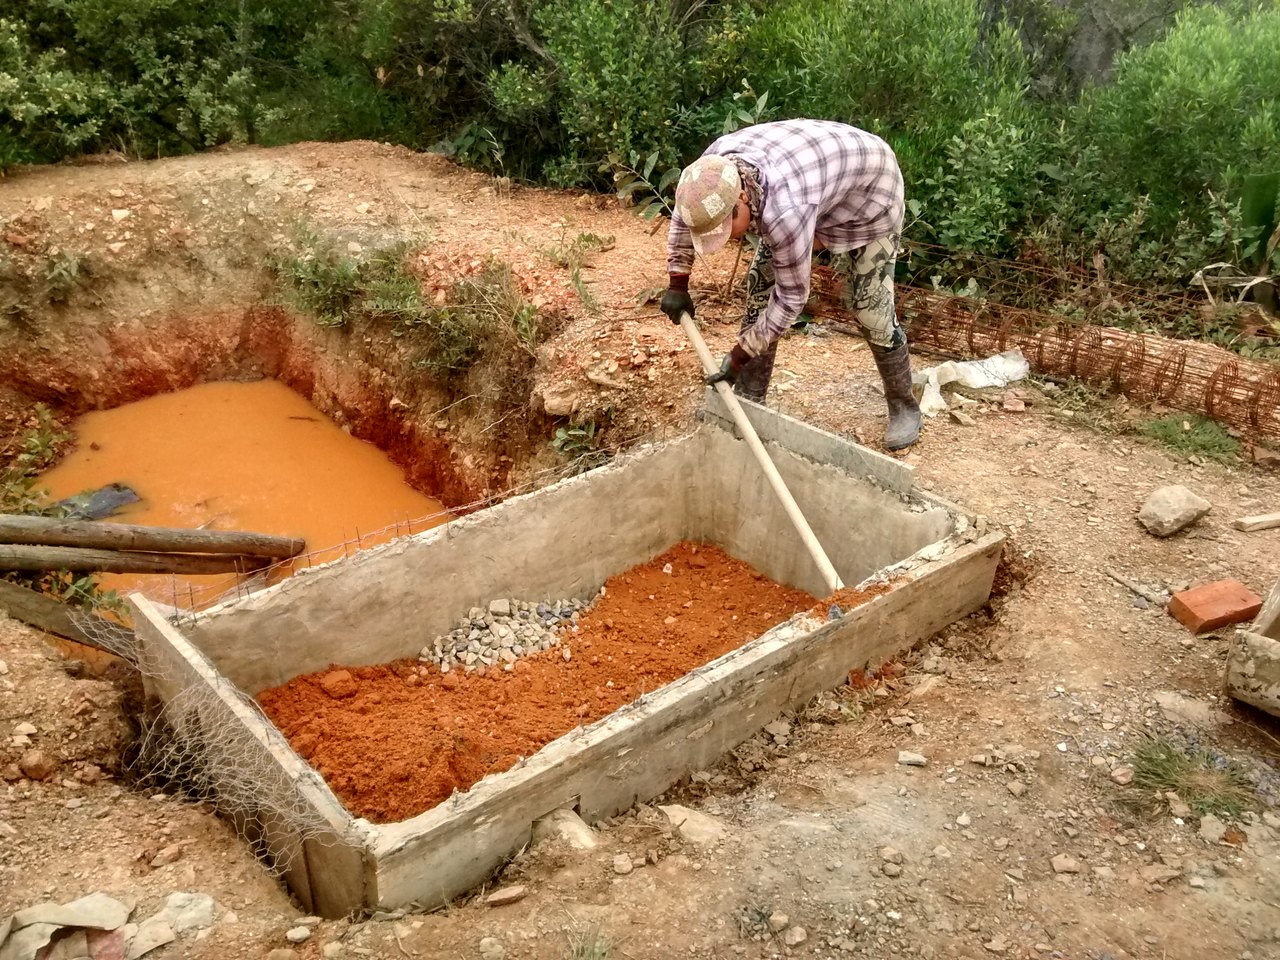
(762, 457)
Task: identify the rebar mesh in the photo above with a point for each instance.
(1182, 374)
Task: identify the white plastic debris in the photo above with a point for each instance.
(996, 371)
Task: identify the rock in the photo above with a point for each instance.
(298, 935)
(941, 852)
(36, 765)
(963, 820)
(567, 826)
(24, 730)
(779, 728)
(778, 921)
(1171, 509)
(794, 936)
(1212, 830)
(1122, 775)
(622, 865)
(891, 855)
(491, 949)
(4, 668)
(1017, 788)
(506, 895)
(500, 608)
(1178, 807)
(694, 826)
(1197, 882)
(891, 870)
(963, 418)
(560, 399)
(1182, 709)
(338, 684)
(153, 933)
(996, 944)
(167, 855)
(1158, 873)
(187, 911)
(282, 953)
(1065, 864)
(908, 759)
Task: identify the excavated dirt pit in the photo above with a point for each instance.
(395, 740)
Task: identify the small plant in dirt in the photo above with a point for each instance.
(1192, 435)
(335, 287)
(578, 251)
(591, 945)
(1205, 780)
(29, 286)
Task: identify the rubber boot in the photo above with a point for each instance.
(894, 364)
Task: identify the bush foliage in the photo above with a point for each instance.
(1021, 125)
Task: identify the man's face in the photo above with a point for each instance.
(741, 217)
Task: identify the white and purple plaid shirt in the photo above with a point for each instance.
(818, 179)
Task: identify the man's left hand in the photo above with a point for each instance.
(730, 367)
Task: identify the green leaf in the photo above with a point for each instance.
(668, 178)
(650, 164)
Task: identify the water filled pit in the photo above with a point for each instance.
(238, 456)
(469, 761)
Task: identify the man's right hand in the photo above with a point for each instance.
(676, 300)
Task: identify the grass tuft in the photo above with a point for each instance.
(1192, 435)
(1207, 782)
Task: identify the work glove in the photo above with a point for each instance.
(677, 300)
(730, 367)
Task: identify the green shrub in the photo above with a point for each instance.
(1197, 110)
(914, 72)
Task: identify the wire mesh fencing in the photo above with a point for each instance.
(1187, 375)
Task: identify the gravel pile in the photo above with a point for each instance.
(508, 630)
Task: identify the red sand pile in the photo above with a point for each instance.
(396, 740)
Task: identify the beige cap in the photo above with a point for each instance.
(705, 195)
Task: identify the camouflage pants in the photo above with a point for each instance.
(868, 275)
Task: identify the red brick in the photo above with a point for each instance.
(1213, 605)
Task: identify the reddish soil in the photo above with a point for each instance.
(395, 740)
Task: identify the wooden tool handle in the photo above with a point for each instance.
(762, 457)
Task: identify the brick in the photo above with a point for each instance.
(1214, 605)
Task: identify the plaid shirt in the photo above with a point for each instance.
(819, 179)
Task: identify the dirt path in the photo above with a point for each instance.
(1054, 691)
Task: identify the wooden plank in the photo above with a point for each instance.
(640, 750)
(36, 558)
(44, 613)
(55, 532)
(1263, 521)
(172, 665)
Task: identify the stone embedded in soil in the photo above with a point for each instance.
(909, 759)
(1122, 775)
(1212, 830)
(24, 730)
(1065, 864)
(694, 826)
(298, 935)
(167, 855)
(794, 936)
(491, 949)
(37, 765)
(778, 921)
(622, 865)
(338, 684)
(506, 895)
(1017, 788)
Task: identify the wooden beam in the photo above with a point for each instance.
(1263, 521)
(43, 612)
(33, 558)
(54, 532)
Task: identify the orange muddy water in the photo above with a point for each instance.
(239, 456)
